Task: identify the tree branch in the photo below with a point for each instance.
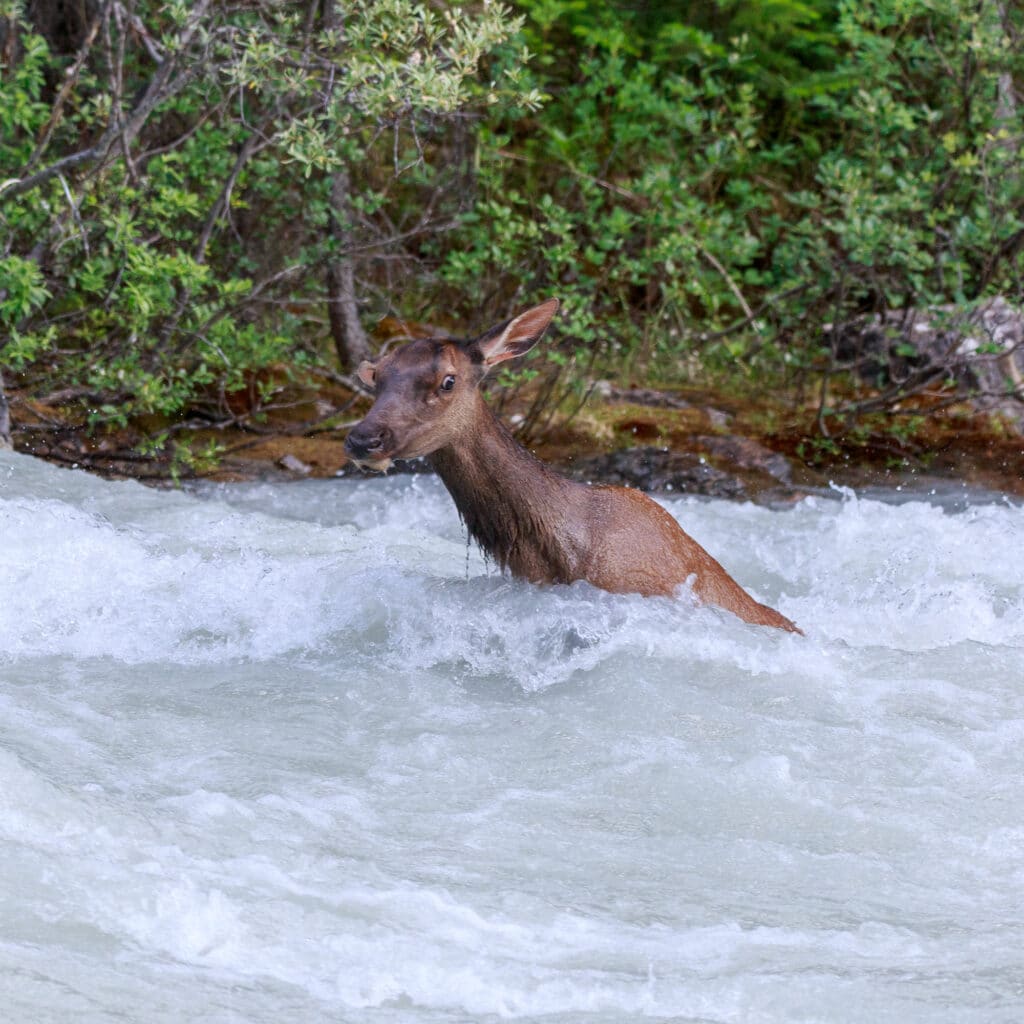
(350, 340)
(160, 88)
(70, 81)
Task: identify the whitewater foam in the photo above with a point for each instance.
(284, 753)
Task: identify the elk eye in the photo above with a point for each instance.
(448, 383)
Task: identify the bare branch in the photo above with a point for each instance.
(138, 26)
(70, 81)
(161, 87)
(252, 145)
(350, 338)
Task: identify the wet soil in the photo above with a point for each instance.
(678, 441)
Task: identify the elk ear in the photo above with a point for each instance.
(367, 373)
(517, 336)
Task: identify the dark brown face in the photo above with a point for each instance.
(425, 392)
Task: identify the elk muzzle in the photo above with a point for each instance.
(368, 445)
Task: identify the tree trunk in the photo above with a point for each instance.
(5, 417)
(350, 340)
(1006, 88)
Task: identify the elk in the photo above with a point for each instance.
(534, 522)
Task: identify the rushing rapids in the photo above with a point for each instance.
(296, 753)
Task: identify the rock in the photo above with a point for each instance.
(718, 419)
(659, 469)
(5, 419)
(983, 351)
(294, 465)
(649, 397)
(748, 454)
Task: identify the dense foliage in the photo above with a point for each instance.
(191, 193)
(180, 182)
(712, 191)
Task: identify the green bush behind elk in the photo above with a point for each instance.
(194, 192)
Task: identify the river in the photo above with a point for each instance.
(294, 753)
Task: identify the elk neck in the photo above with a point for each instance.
(521, 513)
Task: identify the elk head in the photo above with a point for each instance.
(426, 395)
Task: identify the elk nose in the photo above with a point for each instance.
(365, 440)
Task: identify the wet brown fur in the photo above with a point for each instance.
(531, 520)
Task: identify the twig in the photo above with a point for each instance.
(74, 213)
(160, 87)
(645, 201)
(251, 146)
(733, 287)
(70, 80)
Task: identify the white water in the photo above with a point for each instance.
(271, 756)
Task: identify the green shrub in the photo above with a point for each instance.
(166, 179)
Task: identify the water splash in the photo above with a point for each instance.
(268, 754)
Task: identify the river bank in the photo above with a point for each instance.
(682, 441)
